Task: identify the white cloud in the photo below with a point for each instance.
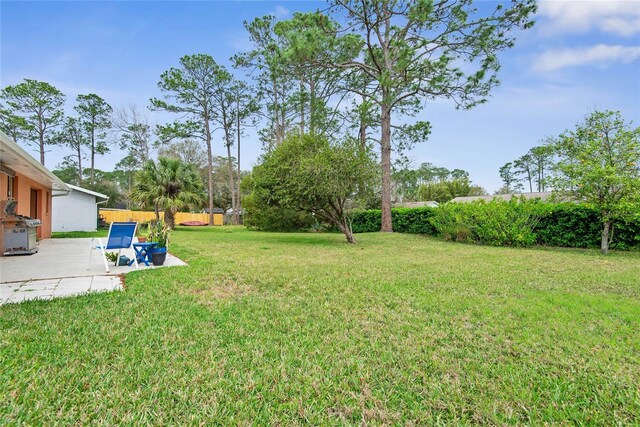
(281, 12)
(621, 18)
(600, 54)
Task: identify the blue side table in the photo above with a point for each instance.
(143, 253)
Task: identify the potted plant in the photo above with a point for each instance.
(158, 234)
(139, 236)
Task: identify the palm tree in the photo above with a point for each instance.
(170, 185)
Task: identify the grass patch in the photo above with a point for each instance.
(292, 329)
(78, 234)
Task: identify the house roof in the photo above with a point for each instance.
(542, 195)
(16, 158)
(84, 190)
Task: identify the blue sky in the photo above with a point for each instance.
(580, 56)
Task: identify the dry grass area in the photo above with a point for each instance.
(303, 329)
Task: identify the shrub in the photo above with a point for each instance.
(274, 218)
(505, 223)
(514, 223)
(450, 222)
(578, 226)
(497, 223)
(368, 221)
(413, 220)
(405, 220)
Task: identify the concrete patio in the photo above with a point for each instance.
(61, 268)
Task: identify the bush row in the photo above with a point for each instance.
(405, 220)
(506, 223)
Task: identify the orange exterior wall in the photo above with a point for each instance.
(22, 194)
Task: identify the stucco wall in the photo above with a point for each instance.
(25, 185)
(22, 194)
(75, 212)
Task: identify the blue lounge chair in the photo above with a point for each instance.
(121, 235)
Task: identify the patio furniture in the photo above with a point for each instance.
(121, 235)
(143, 252)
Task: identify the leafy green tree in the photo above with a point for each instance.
(169, 185)
(67, 171)
(40, 106)
(191, 152)
(508, 175)
(73, 135)
(423, 50)
(310, 174)
(188, 151)
(13, 125)
(190, 91)
(245, 107)
(306, 38)
(133, 134)
(267, 65)
(542, 157)
(476, 190)
(95, 114)
(430, 182)
(226, 115)
(525, 167)
(109, 183)
(599, 164)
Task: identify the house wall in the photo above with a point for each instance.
(22, 194)
(76, 211)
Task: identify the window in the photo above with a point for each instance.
(47, 202)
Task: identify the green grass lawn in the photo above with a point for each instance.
(78, 234)
(293, 329)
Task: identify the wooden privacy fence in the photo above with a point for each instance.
(119, 215)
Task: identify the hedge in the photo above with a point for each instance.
(404, 220)
(577, 226)
(506, 223)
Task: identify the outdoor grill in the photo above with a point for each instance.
(19, 232)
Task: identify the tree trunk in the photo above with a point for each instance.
(276, 120)
(604, 243)
(301, 106)
(346, 230)
(385, 155)
(41, 141)
(169, 219)
(209, 170)
(362, 134)
(93, 155)
(238, 198)
(282, 118)
(312, 105)
(232, 189)
(80, 166)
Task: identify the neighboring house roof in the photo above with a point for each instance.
(17, 159)
(84, 190)
(430, 204)
(542, 195)
(215, 210)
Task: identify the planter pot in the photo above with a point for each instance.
(158, 256)
(142, 239)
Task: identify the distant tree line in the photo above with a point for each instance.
(530, 172)
(359, 72)
(429, 182)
